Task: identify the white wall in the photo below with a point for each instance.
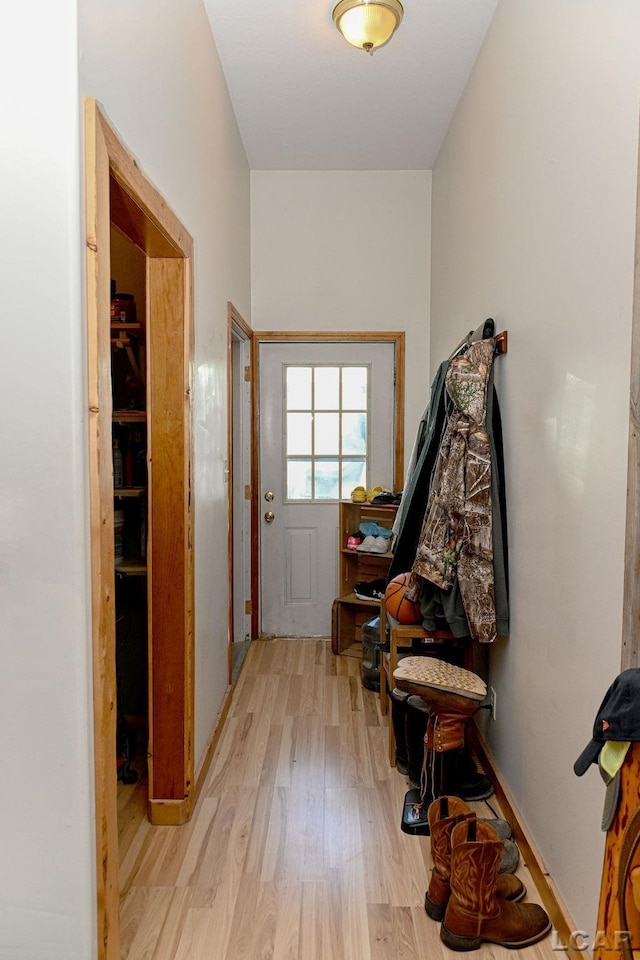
(533, 224)
(154, 68)
(346, 250)
(46, 826)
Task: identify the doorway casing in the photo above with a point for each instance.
(240, 443)
(117, 191)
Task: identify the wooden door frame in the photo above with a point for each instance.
(117, 189)
(631, 597)
(234, 322)
(396, 338)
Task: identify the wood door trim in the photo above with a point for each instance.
(234, 319)
(128, 173)
(630, 656)
(102, 551)
(168, 247)
(170, 547)
(397, 338)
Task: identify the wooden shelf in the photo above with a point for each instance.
(129, 416)
(368, 554)
(349, 611)
(128, 492)
(132, 568)
(358, 601)
(123, 325)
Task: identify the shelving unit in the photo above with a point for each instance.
(349, 611)
(129, 429)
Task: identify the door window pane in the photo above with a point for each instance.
(299, 434)
(299, 388)
(327, 388)
(327, 434)
(354, 474)
(327, 485)
(326, 431)
(354, 433)
(299, 475)
(354, 388)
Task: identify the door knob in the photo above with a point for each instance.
(269, 516)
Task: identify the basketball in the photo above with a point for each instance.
(397, 605)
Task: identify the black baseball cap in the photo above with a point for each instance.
(618, 719)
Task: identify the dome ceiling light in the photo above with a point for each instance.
(368, 24)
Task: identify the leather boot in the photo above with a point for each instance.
(474, 912)
(449, 715)
(468, 782)
(398, 718)
(443, 815)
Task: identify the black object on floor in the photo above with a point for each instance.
(371, 652)
(414, 815)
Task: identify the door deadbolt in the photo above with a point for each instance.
(269, 516)
(268, 496)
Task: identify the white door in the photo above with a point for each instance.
(241, 473)
(326, 426)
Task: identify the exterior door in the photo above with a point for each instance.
(241, 467)
(326, 426)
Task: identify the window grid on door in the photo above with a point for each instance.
(326, 430)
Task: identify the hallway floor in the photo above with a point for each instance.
(295, 849)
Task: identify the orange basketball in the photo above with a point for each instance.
(398, 607)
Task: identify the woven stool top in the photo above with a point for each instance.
(440, 675)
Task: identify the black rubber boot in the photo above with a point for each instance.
(466, 780)
(398, 718)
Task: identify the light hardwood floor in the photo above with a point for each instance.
(295, 849)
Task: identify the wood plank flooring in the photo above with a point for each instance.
(294, 851)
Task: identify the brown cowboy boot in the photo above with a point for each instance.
(443, 815)
(474, 912)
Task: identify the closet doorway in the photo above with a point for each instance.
(118, 196)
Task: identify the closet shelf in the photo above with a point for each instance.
(129, 416)
(125, 492)
(132, 568)
(120, 325)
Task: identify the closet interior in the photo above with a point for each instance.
(130, 482)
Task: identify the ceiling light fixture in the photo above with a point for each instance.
(368, 23)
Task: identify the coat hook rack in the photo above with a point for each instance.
(501, 342)
(483, 332)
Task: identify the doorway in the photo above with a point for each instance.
(119, 195)
(239, 483)
(345, 429)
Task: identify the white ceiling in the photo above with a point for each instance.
(305, 99)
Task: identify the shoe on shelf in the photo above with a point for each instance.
(354, 540)
(371, 494)
(385, 496)
(370, 589)
(379, 545)
(367, 544)
(359, 495)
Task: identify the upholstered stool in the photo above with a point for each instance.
(451, 694)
